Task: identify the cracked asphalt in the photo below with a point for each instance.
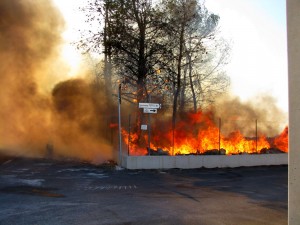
(48, 192)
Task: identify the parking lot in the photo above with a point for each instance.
(47, 192)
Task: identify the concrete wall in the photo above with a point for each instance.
(293, 33)
(206, 161)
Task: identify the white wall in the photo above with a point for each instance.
(206, 161)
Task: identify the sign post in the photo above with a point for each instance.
(149, 130)
(149, 105)
(149, 108)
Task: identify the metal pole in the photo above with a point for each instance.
(120, 135)
(149, 128)
(173, 140)
(256, 135)
(219, 135)
(129, 126)
(111, 134)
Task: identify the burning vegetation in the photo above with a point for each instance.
(206, 140)
(230, 127)
(44, 114)
(200, 133)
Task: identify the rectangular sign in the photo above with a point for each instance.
(149, 105)
(147, 110)
(143, 127)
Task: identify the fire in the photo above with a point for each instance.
(237, 143)
(200, 133)
(134, 148)
(113, 125)
(281, 141)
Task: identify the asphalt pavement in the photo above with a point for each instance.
(48, 192)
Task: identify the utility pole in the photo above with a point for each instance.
(120, 131)
(219, 135)
(256, 134)
(129, 130)
(149, 128)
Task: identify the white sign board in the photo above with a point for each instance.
(143, 127)
(147, 110)
(150, 105)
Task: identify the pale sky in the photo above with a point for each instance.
(74, 20)
(256, 29)
(258, 63)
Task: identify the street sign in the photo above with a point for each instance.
(149, 105)
(147, 110)
(143, 127)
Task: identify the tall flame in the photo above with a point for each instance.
(281, 141)
(199, 133)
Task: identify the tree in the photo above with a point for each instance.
(178, 15)
(208, 78)
(134, 44)
(189, 26)
(99, 15)
(200, 29)
(140, 38)
(198, 53)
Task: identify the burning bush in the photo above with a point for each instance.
(201, 133)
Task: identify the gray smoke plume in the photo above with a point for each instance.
(30, 120)
(243, 116)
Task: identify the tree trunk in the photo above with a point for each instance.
(177, 89)
(182, 91)
(142, 70)
(140, 95)
(107, 54)
(192, 85)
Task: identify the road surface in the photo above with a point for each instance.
(48, 192)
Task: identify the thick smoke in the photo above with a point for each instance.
(79, 121)
(65, 122)
(260, 113)
(71, 120)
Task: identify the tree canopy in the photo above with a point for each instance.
(169, 48)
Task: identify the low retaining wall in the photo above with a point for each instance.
(206, 161)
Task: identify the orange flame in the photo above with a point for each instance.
(198, 133)
(281, 141)
(113, 125)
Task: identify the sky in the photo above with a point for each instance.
(74, 20)
(256, 29)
